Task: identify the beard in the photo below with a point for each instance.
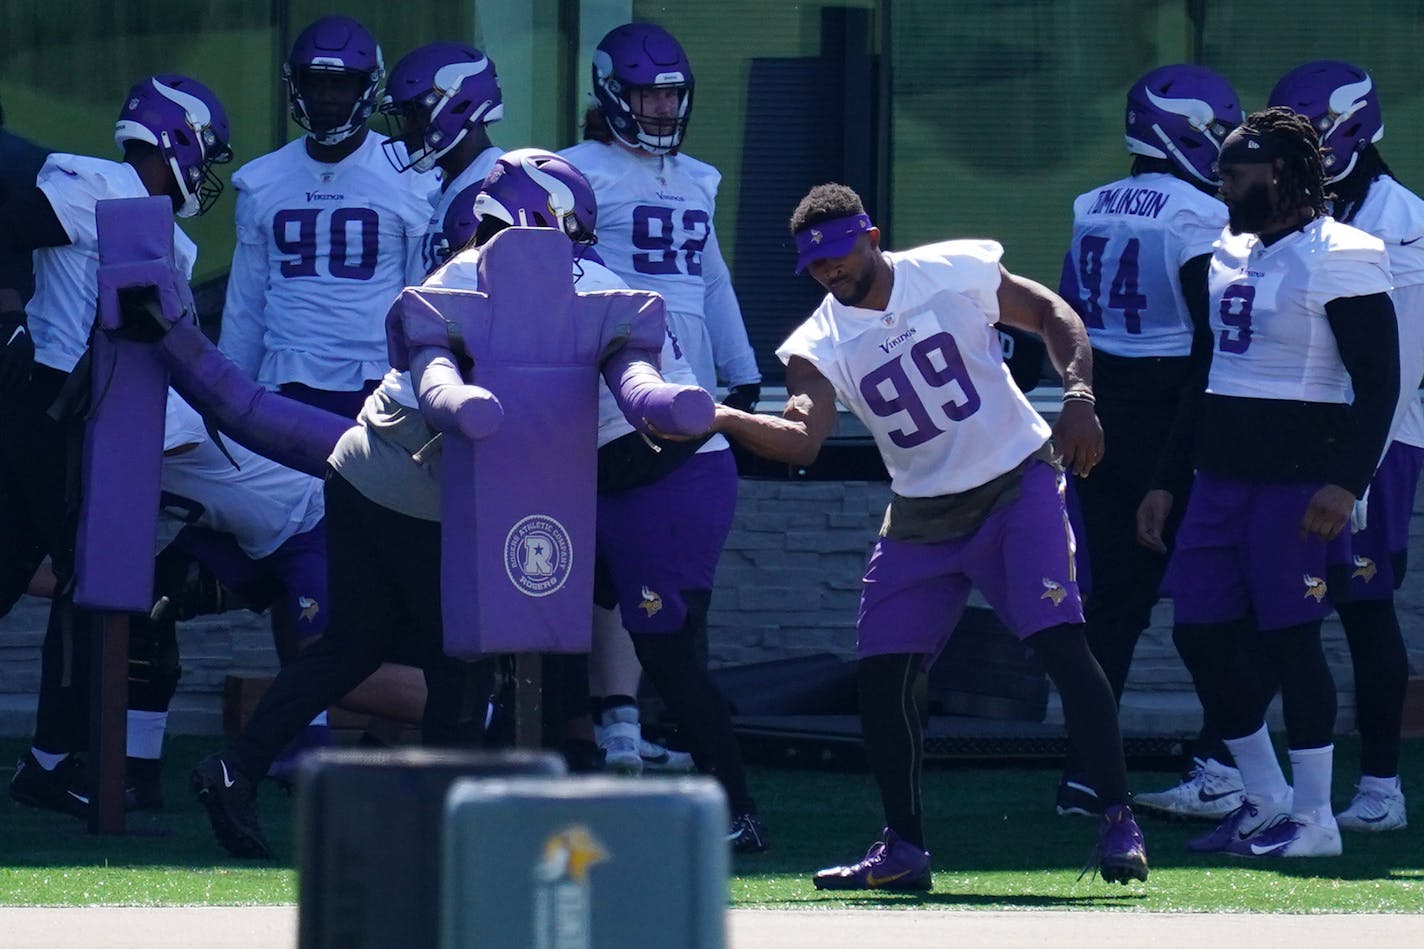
(851, 292)
(1252, 212)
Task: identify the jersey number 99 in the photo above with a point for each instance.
(938, 362)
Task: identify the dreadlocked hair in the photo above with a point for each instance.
(1351, 191)
(1301, 182)
(825, 203)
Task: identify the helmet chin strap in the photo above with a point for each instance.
(189, 207)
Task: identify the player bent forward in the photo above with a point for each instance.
(906, 341)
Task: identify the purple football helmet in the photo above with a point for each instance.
(630, 63)
(530, 187)
(1182, 113)
(188, 125)
(435, 95)
(336, 48)
(1341, 102)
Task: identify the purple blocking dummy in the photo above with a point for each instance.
(123, 440)
(520, 433)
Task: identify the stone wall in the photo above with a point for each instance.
(788, 586)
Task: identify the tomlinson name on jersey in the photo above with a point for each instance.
(1142, 202)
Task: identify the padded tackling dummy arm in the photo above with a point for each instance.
(645, 399)
(648, 402)
(421, 339)
(447, 401)
(288, 432)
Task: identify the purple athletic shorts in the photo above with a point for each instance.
(665, 538)
(1020, 558)
(292, 579)
(1239, 550)
(1379, 552)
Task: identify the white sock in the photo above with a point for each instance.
(47, 760)
(1261, 774)
(1310, 769)
(1368, 782)
(146, 734)
(320, 720)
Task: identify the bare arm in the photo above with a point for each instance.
(807, 421)
(1032, 306)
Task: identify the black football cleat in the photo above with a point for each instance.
(231, 801)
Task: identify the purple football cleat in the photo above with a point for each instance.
(1247, 820)
(1295, 836)
(889, 864)
(1121, 853)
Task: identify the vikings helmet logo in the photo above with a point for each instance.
(309, 607)
(1053, 590)
(816, 236)
(1315, 588)
(652, 603)
(1365, 569)
(570, 854)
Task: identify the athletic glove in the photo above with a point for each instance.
(17, 351)
(744, 397)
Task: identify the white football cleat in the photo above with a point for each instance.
(619, 737)
(1210, 791)
(663, 760)
(1300, 835)
(1375, 808)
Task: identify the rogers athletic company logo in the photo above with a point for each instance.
(538, 555)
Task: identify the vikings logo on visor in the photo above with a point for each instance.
(833, 238)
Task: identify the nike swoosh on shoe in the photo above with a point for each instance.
(1206, 798)
(1261, 850)
(872, 880)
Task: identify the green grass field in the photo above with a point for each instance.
(996, 841)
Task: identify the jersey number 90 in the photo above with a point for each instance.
(354, 238)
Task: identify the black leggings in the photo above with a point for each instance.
(384, 587)
(704, 719)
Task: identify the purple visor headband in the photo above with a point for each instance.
(833, 238)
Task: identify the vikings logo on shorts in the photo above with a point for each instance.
(1053, 590)
(309, 607)
(538, 555)
(1364, 569)
(652, 603)
(1315, 588)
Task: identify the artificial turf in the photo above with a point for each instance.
(996, 841)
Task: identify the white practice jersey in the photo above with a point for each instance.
(1395, 215)
(260, 503)
(462, 273)
(1130, 241)
(322, 250)
(1272, 339)
(926, 375)
(434, 246)
(61, 312)
(655, 230)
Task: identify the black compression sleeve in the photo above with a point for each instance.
(1174, 467)
(28, 222)
(1367, 337)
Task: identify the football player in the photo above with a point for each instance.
(254, 528)
(172, 130)
(656, 209)
(1136, 274)
(440, 101)
(1301, 393)
(383, 524)
(664, 512)
(906, 341)
(1341, 101)
(326, 231)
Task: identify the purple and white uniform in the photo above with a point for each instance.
(435, 247)
(255, 524)
(1239, 548)
(1131, 239)
(927, 377)
(322, 250)
(1395, 215)
(655, 230)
